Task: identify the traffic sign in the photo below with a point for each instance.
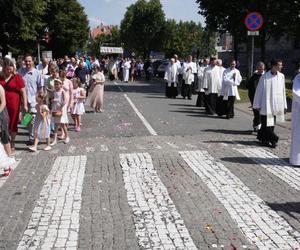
(253, 33)
(254, 21)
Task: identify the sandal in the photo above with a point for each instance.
(7, 171)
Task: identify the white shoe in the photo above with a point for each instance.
(47, 148)
(53, 143)
(33, 149)
(67, 140)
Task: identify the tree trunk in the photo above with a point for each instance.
(263, 45)
(235, 50)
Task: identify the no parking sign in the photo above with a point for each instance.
(254, 21)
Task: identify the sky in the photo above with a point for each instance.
(111, 12)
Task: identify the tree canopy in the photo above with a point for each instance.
(184, 38)
(280, 17)
(23, 22)
(143, 26)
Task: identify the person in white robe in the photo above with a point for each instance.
(180, 73)
(295, 147)
(126, 67)
(270, 101)
(211, 85)
(231, 80)
(188, 68)
(200, 90)
(171, 76)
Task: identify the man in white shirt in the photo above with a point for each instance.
(33, 86)
(231, 79)
(270, 101)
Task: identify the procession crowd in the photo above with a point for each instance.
(43, 97)
(217, 90)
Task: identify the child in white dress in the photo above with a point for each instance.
(79, 96)
(41, 124)
(59, 111)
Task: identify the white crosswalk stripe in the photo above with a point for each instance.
(54, 222)
(157, 222)
(90, 149)
(260, 224)
(274, 165)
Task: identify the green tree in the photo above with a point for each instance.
(229, 15)
(68, 27)
(20, 23)
(186, 38)
(143, 26)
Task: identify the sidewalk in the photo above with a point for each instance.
(246, 108)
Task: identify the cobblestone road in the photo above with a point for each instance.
(193, 186)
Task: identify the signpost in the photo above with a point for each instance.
(253, 22)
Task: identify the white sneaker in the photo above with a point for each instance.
(47, 148)
(33, 149)
(67, 140)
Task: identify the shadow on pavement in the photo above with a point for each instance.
(245, 143)
(229, 132)
(289, 208)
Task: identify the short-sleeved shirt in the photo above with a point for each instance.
(81, 73)
(33, 83)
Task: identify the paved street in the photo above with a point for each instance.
(153, 173)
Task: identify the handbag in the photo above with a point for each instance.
(26, 119)
(56, 113)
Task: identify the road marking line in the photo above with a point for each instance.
(157, 221)
(172, 145)
(274, 165)
(262, 226)
(103, 148)
(139, 114)
(4, 179)
(54, 222)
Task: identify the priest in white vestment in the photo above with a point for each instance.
(200, 90)
(270, 101)
(188, 75)
(212, 86)
(230, 82)
(171, 76)
(295, 148)
(126, 67)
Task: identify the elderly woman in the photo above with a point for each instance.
(14, 87)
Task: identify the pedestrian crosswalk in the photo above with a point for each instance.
(158, 221)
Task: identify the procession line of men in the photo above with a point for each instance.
(216, 86)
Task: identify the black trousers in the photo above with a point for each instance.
(266, 134)
(211, 103)
(200, 100)
(186, 91)
(230, 107)
(256, 119)
(221, 108)
(171, 92)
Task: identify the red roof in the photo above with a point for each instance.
(102, 29)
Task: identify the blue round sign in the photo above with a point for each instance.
(254, 21)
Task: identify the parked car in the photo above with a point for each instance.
(162, 68)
